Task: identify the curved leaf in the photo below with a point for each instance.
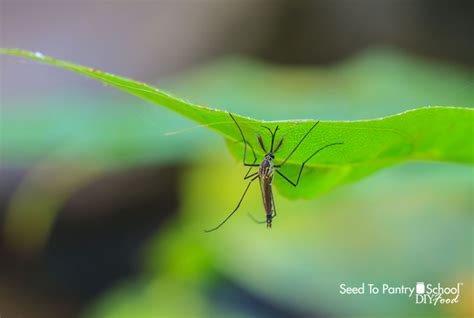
(431, 133)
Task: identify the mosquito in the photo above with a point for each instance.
(266, 171)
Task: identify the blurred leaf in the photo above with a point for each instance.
(386, 229)
(373, 83)
(420, 134)
(85, 129)
(157, 297)
(33, 207)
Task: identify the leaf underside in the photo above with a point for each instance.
(429, 133)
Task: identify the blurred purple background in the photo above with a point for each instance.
(147, 40)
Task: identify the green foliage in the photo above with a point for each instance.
(373, 83)
(96, 130)
(434, 133)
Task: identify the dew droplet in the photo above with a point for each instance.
(39, 55)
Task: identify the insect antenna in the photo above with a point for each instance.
(279, 144)
(273, 133)
(260, 141)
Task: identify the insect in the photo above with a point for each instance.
(266, 171)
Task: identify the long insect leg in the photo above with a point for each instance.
(248, 175)
(287, 179)
(245, 145)
(304, 162)
(268, 128)
(274, 208)
(255, 220)
(296, 147)
(263, 198)
(273, 138)
(236, 208)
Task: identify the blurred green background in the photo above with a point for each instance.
(104, 198)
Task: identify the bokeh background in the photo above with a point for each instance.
(104, 198)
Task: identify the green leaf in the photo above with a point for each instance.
(431, 133)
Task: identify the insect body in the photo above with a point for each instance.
(266, 171)
(265, 175)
